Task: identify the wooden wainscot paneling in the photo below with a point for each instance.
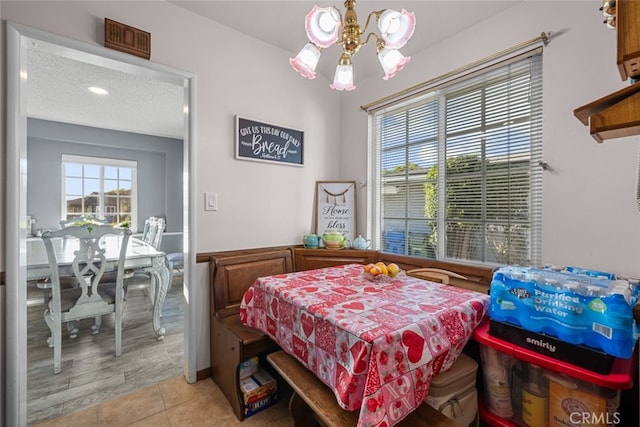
(309, 259)
(233, 275)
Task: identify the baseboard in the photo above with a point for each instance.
(203, 374)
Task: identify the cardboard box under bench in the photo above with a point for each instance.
(259, 391)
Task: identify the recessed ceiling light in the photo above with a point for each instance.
(98, 90)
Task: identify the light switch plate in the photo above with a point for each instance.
(210, 201)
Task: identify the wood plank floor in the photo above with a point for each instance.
(91, 374)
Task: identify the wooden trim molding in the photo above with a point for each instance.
(203, 374)
(206, 256)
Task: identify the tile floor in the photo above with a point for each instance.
(172, 403)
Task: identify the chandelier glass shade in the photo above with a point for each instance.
(307, 61)
(343, 79)
(392, 61)
(325, 26)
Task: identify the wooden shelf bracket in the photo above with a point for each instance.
(613, 116)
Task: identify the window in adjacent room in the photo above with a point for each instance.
(104, 188)
(456, 171)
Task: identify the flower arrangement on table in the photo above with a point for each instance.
(86, 223)
(90, 223)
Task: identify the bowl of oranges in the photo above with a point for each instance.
(381, 272)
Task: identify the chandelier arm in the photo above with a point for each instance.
(379, 41)
(326, 26)
(377, 13)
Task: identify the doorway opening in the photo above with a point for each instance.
(19, 40)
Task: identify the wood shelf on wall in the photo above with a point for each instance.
(613, 116)
(618, 114)
(628, 38)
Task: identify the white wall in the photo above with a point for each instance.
(590, 214)
(259, 204)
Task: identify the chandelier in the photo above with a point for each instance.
(326, 26)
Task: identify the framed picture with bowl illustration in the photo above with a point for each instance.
(336, 208)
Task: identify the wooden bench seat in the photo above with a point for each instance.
(314, 404)
(231, 342)
(234, 343)
(233, 272)
(249, 337)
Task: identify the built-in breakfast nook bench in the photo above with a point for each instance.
(232, 273)
(313, 403)
(232, 342)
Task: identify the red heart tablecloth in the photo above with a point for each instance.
(375, 344)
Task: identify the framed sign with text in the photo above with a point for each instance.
(265, 142)
(336, 207)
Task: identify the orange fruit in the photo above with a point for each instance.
(383, 268)
(375, 271)
(368, 267)
(393, 269)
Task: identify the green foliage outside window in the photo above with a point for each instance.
(487, 209)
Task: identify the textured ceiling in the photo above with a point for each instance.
(57, 84)
(58, 90)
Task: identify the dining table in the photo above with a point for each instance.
(376, 342)
(139, 256)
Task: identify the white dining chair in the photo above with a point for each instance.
(93, 297)
(153, 231)
(68, 282)
(152, 235)
(176, 263)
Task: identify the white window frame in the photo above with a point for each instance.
(376, 189)
(102, 162)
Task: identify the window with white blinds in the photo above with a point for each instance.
(456, 171)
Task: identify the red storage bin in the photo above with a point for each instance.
(593, 397)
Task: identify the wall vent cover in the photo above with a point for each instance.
(127, 39)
